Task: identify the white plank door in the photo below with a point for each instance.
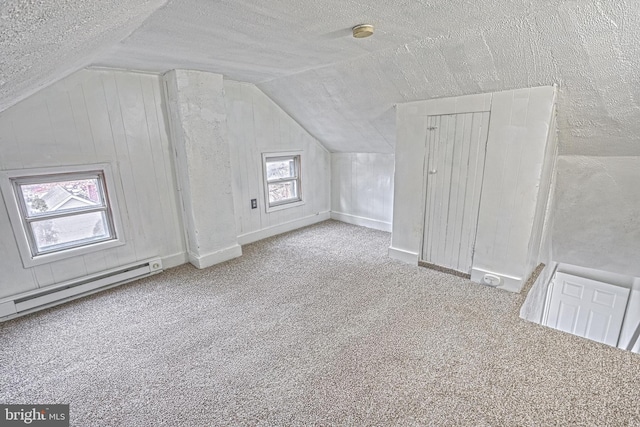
(454, 168)
(587, 308)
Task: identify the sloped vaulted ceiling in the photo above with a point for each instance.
(343, 89)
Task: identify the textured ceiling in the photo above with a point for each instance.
(343, 89)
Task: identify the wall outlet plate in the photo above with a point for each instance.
(254, 203)
(155, 265)
(491, 280)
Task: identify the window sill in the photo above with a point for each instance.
(33, 261)
(285, 206)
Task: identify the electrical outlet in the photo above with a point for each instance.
(254, 203)
(491, 280)
(155, 265)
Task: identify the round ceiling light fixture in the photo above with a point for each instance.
(363, 30)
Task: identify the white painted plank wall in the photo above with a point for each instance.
(456, 145)
(518, 131)
(540, 248)
(96, 116)
(632, 319)
(409, 191)
(518, 136)
(362, 189)
(257, 125)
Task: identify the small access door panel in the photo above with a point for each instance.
(454, 168)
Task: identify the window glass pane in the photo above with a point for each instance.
(278, 169)
(282, 191)
(61, 196)
(59, 233)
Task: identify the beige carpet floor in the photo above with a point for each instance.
(314, 327)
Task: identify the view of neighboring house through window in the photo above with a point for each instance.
(282, 180)
(64, 211)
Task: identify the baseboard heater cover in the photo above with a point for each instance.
(39, 299)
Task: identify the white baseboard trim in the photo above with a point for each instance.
(213, 258)
(274, 230)
(535, 303)
(508, 283)
(361, 221)
(404, 256)
(174, 260)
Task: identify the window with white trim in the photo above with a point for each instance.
(59, 214)
(283, 182)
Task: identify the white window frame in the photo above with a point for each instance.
(297, 155)
(9, 182)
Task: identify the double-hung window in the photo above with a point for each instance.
(283, 182)
(58, 213)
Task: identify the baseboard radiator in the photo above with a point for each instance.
(39, 299)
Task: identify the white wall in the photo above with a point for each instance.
(257, 125)
(533, 307)
(632, 318)
(596, 224)
(97, 116)
(511, 191)
(362, 189)
(198, 122)
(518, 133)
(597, 213)
(408, 199)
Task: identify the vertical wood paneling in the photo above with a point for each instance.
(435, 184)
(251, 159)
(68, 269)
(98, 117)
(479, 139)
(458, 189)
(85, 143)
(257, 125)
(455, 146)
(130, 212)
(362, 186)
(96, 261)
(234, 106)
(10, 155)
(94, 117)
(43, 275)
(141, 166)
(156, 163)
(429, 165)
(29, 126)
(527, 131)
(13, 278)
(63, 129)
(446, 172)
(503, 146)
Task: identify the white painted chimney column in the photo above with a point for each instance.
(198, 122)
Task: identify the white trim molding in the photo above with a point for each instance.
(217, 257)
(175, 260)
(297, 157)
(507, 283)
(254, 236)
(361, 221)
(403, 255)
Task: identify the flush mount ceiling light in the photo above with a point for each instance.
(363, 30)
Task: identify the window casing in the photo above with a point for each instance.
(283, 180)
(61, 212)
